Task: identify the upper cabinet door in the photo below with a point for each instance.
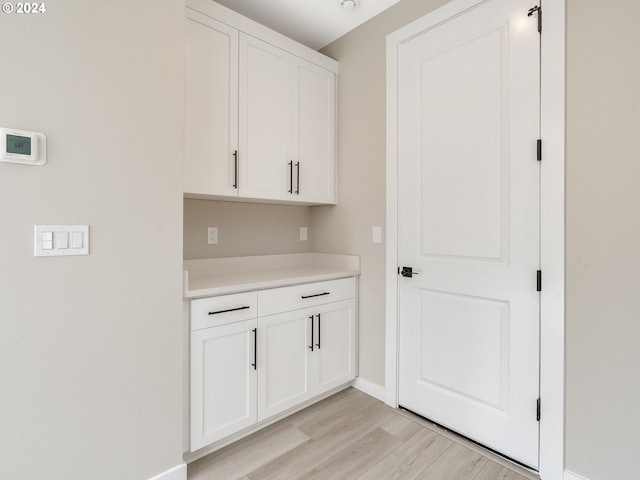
(211, 114)
(314, 122)
(266, 121)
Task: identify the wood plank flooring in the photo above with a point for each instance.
(353, 436)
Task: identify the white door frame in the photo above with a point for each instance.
(551, 224)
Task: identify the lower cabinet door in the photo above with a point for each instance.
(284, 375)
(223, 382)
(334, 354)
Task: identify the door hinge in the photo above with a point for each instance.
(539, 281)
(538, 404)
(533, 10)
(539, 149)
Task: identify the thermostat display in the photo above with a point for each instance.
(19, 146)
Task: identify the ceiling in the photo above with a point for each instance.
(314, 23)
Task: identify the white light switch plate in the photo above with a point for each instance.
(54, 240)
(303, 234)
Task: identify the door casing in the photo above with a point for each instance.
(552, 200)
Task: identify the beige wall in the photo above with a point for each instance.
(603, 239)
(346, 227)
(90, 347)
(244, 229)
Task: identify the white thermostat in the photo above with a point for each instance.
(20, 146)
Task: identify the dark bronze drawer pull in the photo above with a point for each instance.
(316, 295)
(230, 310)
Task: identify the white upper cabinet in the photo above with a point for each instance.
(314, 132)
(211, 121)
(266, 120)
(260, 113)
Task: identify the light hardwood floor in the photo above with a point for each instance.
(353, 436)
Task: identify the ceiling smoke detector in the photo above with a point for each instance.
(348, 4)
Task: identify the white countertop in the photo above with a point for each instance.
(210, 277)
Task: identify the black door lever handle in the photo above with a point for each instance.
(407, 272)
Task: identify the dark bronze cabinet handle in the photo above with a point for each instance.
(291, 176)
(298, 179)
(311, 346)
(319, 334)
(235, 174)
(255, 349)
(229, 310)
(316, 295)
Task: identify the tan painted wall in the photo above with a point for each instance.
(90, 347)
(346, 227)
(603, 239)
(244, 229)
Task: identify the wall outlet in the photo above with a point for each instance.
(212, 235)
(303, 234)
(377, 235)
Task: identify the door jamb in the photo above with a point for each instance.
(552, 222)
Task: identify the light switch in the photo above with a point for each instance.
(303, 234)
(47, 240)
(62, 240)
(77, 239)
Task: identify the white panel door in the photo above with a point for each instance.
(284, 363)
(334, 344)
(266, 120)
(223, 382)
(314, 140)
(469, 225)
(211, 110)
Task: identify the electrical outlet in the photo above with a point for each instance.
(303, 234)
(212, 235)
(377, 235)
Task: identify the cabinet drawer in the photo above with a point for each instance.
(285, 299)
(213, 311)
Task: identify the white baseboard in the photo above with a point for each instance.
(372, 389)
(179, 472)
(572, 476)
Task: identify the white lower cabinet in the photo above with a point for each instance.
(223, 386)
(335, 356)
(223, 382)
(245, 370)
(304, 353)
(284, 376)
